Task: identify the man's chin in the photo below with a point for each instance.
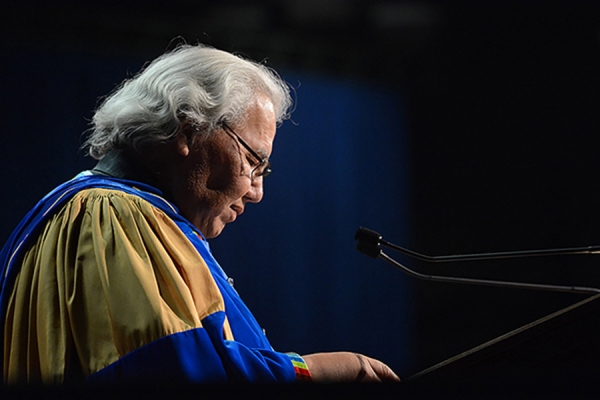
(213, 230)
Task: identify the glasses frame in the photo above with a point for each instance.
(261, 161)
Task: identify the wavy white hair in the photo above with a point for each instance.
(197, 84)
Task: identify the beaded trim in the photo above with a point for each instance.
(300, 367)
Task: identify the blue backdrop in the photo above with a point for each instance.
(340, 163)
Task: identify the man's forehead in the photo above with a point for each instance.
(259, 127)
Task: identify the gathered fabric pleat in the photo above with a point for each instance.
(108, 274)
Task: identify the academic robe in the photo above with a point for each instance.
(104, 281)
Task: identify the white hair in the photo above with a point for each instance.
(195, 84)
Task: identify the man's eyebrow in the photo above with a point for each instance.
(262, 153)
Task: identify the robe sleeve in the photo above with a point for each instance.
(112, 290)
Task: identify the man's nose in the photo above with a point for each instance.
(255, 193)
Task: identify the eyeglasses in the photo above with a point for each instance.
(263, 166)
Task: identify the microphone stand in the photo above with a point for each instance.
(369, 243)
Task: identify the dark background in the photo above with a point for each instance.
(450, 127)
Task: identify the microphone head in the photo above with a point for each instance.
(367, 236)
(370, 250)
(368, 242)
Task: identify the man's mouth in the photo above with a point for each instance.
(238, 210)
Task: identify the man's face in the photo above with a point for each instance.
(216, 171)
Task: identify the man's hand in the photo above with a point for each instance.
(347, 367)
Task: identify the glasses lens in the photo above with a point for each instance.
(264, 169)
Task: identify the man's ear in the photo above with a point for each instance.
(185, 138)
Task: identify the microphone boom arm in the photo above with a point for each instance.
(485, 282)
(493, 256)
(372, 238)
(369, 243)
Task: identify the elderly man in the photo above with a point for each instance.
(110, 278)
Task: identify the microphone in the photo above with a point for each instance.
(369, 243)
(368, 237)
